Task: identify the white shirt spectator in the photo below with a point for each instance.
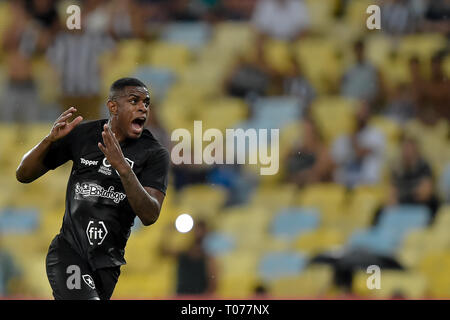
(281, 19)
(350, 172)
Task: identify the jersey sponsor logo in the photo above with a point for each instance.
(96, 232)
(88, 280)
(88, 162)
(105, 168)
(94, 190)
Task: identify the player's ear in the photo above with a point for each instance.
(112, 107)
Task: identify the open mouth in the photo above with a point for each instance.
(138, 124)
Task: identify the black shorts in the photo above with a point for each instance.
(71, 277)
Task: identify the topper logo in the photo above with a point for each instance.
(88, 162)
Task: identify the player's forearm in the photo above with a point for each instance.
(143, 204)
(31, 167)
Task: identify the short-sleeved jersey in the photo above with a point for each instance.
(98, 217)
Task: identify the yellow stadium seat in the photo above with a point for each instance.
(435, 267)
(442, 217)
(314, 53)
(334, 115)
(202, 200)
(321, 14)
(424, 46)
(278, 55)
(237, 286)
(365, 200)
(314, 282)
(394, 71)
(173, 56)
(274, 197)
(235, 37)
(356, 15)
(378, 48)
(407, 284)
(223, 113)
(322, 239)
(329, 198)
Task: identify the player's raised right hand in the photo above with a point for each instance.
(62, 126)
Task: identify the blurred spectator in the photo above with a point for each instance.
(9, 274)
(444, 183)
(75, 54)
(359, 156)
(310, 161)
(22, 40)
(192, 10)
(196, 269)
(251, 77)
(398, 17)
(362, 80)
(437, 16)
(412, 178)
(438, 88)
(281, 19)
(235, 9)
(126, 19)
(401, 105)
(297, 85)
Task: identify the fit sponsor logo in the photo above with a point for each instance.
(94, 190)
(105, 168)
(96, 232)
(88, 162)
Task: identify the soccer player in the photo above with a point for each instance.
(119, 171)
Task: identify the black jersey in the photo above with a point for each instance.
(98, 217)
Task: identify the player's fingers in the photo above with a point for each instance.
(59, 125)
(102, 148)
(106, 140)
(75, 121)
(70, 110)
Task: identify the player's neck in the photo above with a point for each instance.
(116, 130)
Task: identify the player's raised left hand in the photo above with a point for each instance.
(112, 151)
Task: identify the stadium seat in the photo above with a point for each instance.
(312, 283)
(312, 55)
(19, 220)
(235, 37)
(290, 222)
(435, 266)
(274, 197)
(218, 243)
(274, 265)
(423, 45)
(379, 241)
(212, 199)
(172, 56)
(329, 198)
(277, 54)
(237, 286)
(404, 218)
(334, 115)
(320, 240)
(192, 35)
(394, 284)
(277, 111)
(321, 15)
(158, 80)
(364, 202)
(223, 113)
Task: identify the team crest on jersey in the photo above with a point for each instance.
(86, 190)
(89, 281)
(105, 168)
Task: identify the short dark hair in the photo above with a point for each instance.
(119, 85)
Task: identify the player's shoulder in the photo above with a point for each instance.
(88, 127)
(150, 143)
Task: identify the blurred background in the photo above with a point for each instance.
(363, 115)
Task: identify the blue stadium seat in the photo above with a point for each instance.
(14, 220)
(403, 218)
(388, 234)
(274, 265)
(219, 243)
(290, 222)
(193, 35)
(277, 111)
(377, 240)
(159, 80)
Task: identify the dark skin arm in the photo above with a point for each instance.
(31, 167)
(146, 202)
